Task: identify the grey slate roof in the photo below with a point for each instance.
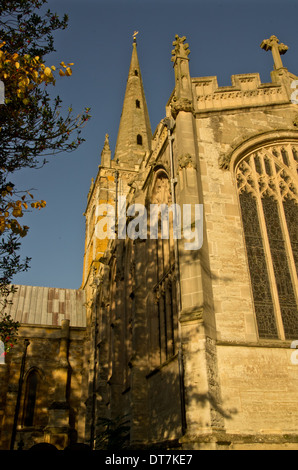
(2, 92)
(47, 306)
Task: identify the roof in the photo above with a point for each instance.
(2, 92)
(47, 306)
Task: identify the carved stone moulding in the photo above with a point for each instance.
(229, 160)
(186, 161)
(181, 104)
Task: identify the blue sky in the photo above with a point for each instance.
(224, 38)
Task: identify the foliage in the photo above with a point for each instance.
(8, 332)
(114, 434)
(31, 122)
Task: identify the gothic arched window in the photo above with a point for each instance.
(164, 318)
(30, 398)
(267, 187)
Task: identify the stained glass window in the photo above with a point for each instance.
(267, 186)
(258, 269)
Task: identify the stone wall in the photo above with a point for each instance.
(43, 355)
(256, 377)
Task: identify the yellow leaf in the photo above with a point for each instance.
(61, 73)
(68, 71)
(53, 67)
(17, 65)
(26, 101)
(62, 64)
(35, 75)
(48, 72)
(17, 212)
(71, 63)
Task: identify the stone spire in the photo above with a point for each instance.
(134, 135)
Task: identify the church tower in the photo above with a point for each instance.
(114, 175)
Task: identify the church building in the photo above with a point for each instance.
(183, 333)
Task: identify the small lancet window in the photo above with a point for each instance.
(136, 73)
(30, 398)
(139, 139)
(138, 104)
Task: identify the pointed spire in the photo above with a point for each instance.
(134, 135)
(106, 153)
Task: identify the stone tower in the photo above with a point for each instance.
(114, 180)
(114, 175)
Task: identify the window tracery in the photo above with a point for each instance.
(267, 187)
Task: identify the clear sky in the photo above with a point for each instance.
(224, 38)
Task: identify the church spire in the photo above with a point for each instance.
(134, 135)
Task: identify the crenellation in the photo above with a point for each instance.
(246, 90)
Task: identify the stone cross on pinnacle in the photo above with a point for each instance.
(277, 49)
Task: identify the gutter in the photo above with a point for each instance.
(17, 408)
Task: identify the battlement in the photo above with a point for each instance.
(246, 90)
